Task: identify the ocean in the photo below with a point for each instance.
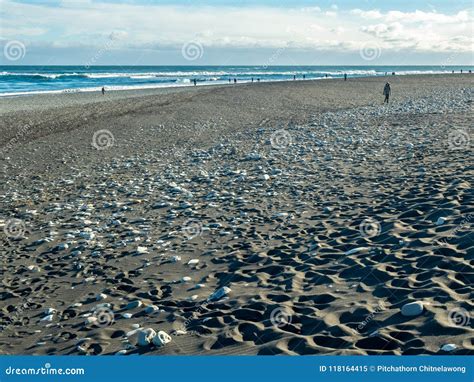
(18, 80)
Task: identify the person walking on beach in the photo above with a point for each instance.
(194, 80)
(386, 92)
(345, 76)
(103, 90)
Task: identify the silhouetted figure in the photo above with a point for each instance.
(258, 79)
(194, 80)
(103, 90)
(470, 71)
(453, 71)
(235, 80)
(304, 76)
(393, 73)
(252, 79)
(326, 75)
(345, 76)
(294, 77)
(229, 80)
(461, 71)
(386, 92)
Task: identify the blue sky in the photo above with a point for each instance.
(301, 32)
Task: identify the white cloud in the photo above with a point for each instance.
(87, 23)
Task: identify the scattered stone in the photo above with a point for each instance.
(355, 250)
(151, 309)
(133, 305)
(91, 320)
(81, 349)
(218, 294)
(449, 347)
(145, 337)
(412, 309)
(193, 261)
(161, 339)
(87, 235)
(61, 247)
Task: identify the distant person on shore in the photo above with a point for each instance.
(103, 90)
(294, 77)
(229, 80)
(345, 76)
(235, 80)
(258, 79)
(393, 73)
(304, 76)
(386, 92)
(194, 80)
(461, 71)
(252, 79)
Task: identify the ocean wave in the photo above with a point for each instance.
(210, 75)
(42, 75)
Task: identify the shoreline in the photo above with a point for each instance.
(39, 101)
(133, 88)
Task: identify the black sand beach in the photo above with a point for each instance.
(313, 210)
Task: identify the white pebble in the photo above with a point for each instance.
(145, 336)
(448, 347)
(162, 338)
(218, 294)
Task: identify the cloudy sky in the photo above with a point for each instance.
(153, 32)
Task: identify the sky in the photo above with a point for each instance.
(220, 32)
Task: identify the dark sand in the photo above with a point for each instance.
(321, 209)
